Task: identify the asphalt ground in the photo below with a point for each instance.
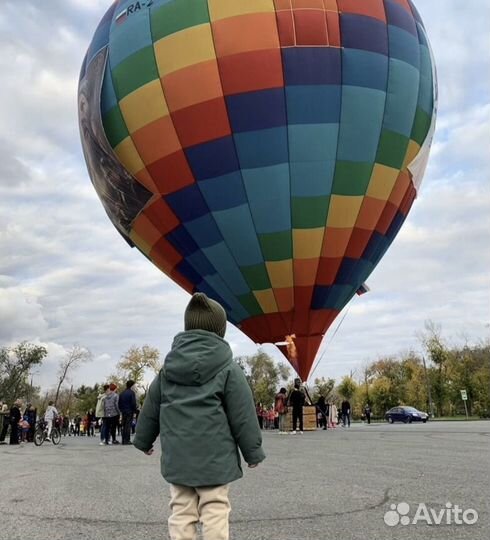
(321, 485)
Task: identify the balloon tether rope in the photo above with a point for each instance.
(329, 343)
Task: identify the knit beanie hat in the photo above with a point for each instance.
(203, 313)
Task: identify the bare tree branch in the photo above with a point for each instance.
(73, 359)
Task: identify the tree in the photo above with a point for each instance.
(136, 361)
(347, 388)
(86, 398)
(439, 356)
(481, 381)
(15, 365)
(367, 377)
(264, 376)
(414, 388)
(73, 358)
(323, 387)
(383, 396)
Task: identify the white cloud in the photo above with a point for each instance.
(20, 315)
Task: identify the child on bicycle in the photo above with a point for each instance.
(49, 417)
(202, 407)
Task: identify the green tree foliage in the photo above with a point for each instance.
(86, 398)
(347, 388)
(439, 357)
(15, 365)
(415, 391)
(135, 362)
(468, 369)
(264, 376)
(403, 380)
(323, 387)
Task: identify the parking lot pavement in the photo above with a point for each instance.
(339, 484)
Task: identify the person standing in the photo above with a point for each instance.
(259, 411)
(15, 417)
(367, 413)
(65, 425)
(100, 414)
(87, 423)
(332, 415)
(201, 406)
(128, 408)
(4, 422)
(345, 409)
(111, 413)
(24, 428)
(296, 401)
(280, 406)
(49, 417)
(78, 422)
(322, 409)
(31, 413)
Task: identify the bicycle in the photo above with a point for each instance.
(41, 433)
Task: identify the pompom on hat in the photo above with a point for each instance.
(203, 313)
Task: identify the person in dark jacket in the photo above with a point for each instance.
(128, 408)
(88, 421)
(322, 408)
(77, 422)
(203, 409)
(345, 409)
(367, 413)
(259, 411)
(296, 401)
(31, 414)
(15, 417)
(4, 422)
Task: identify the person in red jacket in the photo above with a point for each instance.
(280, 406)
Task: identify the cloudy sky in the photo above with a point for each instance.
(66, 276)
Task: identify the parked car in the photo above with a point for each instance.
(406, 414)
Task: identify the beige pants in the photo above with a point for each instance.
(188, 506)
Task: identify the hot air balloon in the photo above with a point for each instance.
(264, 152)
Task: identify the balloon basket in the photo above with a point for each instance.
(309, 419)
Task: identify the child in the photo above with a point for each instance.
(24, 426)
(202, 407)
(50, 416)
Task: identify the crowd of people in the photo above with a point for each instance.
(18, 425)
(328, 415)
(115, 416)
(118, 414)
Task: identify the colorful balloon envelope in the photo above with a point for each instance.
(265, 152)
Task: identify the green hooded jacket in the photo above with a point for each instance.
(202, 407)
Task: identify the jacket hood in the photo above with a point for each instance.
(196, 357)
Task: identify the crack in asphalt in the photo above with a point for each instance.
(365, 508)
(318, 515)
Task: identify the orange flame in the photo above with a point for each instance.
(291, 347)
